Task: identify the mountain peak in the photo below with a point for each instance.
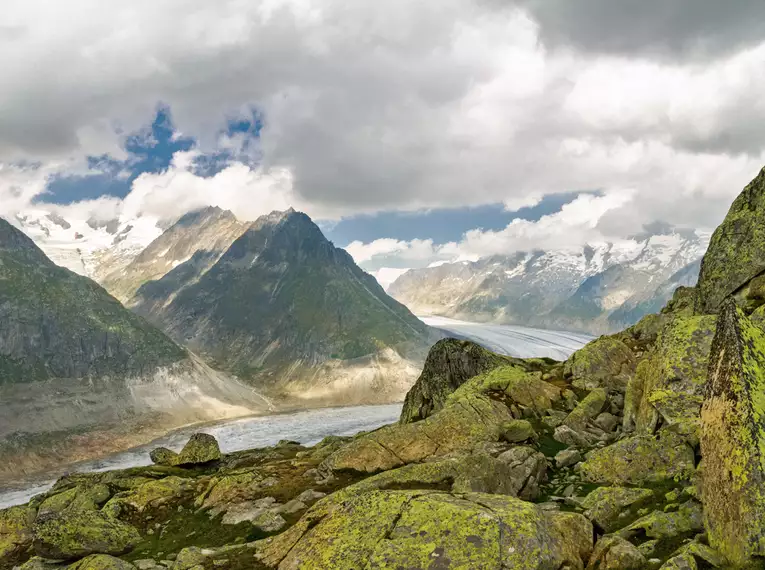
(14, 240)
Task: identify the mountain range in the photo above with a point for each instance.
(597, 288)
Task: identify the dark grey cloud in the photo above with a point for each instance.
(695, 29)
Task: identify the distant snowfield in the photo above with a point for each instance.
(512, 340)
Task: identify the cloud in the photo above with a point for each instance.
(667, 29)
(400, 105)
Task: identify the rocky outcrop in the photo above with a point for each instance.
(604, 363)
(450, 363)
(736, 253)
(733, 438)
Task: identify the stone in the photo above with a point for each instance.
(736, 253)
(733, 438)
(660, 525)
(77, 534)
(517, 431)
(145, 564)
(567, 436)
(163, 456)
(614, 553)
(101, 562)
(640, 459)
(588, 409)
(15, 534)
(150, 495)
(449, 364)
(606, 421)
(567, 458)
(309, 496)
(419, 529)
(528, 469)
(680, 562)
(603, 363)
(604, 505)
(201, 448)
(269, 522)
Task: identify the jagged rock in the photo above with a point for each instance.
(528, 468)
(567, 458)
(687, 519)
(680, 562)
(588, 409)
(450, 363)
(604, 363)
(604, 505)
(669, 383)
(163, 456)
(733, 438)
(101, 562)
(702, 552)
(415, 529)
(606, 421)
(469, 420)
(269, 522)
(567, 436)
(201, 448)
(640, 459)
(517, 431)
(614, 553)
(15, 534)
(80, 533)
(736, 253)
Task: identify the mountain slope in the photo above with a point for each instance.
(74, 361)
(286, 309)
(597, 288)
(210, 230)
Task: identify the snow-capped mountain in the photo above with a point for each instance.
(89, 247)
(596, 288)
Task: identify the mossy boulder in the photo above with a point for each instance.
(685, 521)
(587, 410)
(605, 505)
(163, 456)
(668, 385)
(79, 533)
(733, 438)
(614, 553)
(77, 498)
(528, 469)
(473, 416)
(603, 363)
(640, 459)
(101, 562)
(231, 487)
(150, 495)
(736, 253)
(517, 431)
(450, 363)
(15, 534)
(201, 448)
(680, 562)
(420, 529)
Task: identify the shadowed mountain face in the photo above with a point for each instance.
(75, 364)
(281, 302)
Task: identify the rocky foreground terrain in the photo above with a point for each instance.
(645, 449)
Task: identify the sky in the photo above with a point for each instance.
(413, 132)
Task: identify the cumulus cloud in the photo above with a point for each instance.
(403, 105)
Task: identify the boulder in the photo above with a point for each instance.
(733, 438)
(680, 562)
(77, 534)
(603, 363)
(450, 363)
(587, 410)
(517, 431)
(77, 498)
(420, 529)
(614, 553)
(685, 521)
(15, 534)
(669, 384)
(736, 253)
(201, 448)
(528, 469)
(150, 495)
(640, 459)
(567, 458)
(604, 505)
(163, 456)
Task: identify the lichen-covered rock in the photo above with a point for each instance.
(420, 529)
(528, 469)
(604, 505)
(660, 525)
(640, 459)
(587, 410)
(603, 363)
(471, 417)
(733, 438)
(567, 458)
(614, 553)
(150, 495)
(736, 252)
(450, 363)
(232, 487)
(163, 456)
(680, 562)
(101, 562)
(15, 534)
(517, 431)
(669, 383)
(80, 533)
(77, 498)
(201, 448)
